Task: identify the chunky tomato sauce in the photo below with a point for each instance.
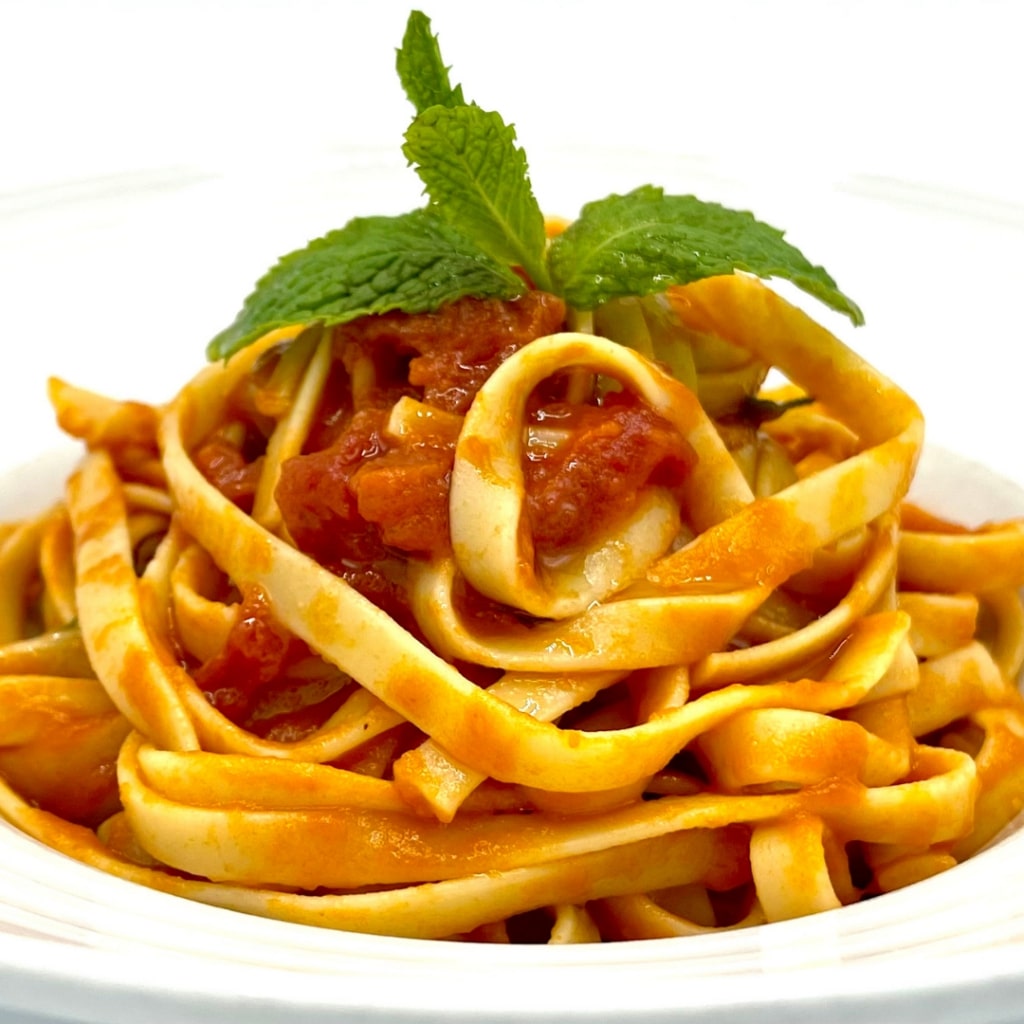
(453, 351)
(256, 652)
(361, 501)
(247, 680)
(599, 458)
(224, 461)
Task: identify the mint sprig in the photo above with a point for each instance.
(421, 70)
(477, 179)
(645, 241)
(473, 171)
(483, 222)
(415, 262)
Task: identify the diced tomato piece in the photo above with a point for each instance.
(578, 487)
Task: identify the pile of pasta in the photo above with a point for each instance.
(768, 689)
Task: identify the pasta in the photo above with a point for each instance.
(552, 647)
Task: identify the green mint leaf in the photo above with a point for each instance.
(644, 241)
(415, 262)
(422, 72)
(477, 179)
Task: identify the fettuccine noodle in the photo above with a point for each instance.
(365, 631)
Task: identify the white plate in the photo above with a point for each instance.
(116, 284)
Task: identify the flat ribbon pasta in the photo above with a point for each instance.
(765, 689)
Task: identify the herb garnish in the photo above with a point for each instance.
(482, 220)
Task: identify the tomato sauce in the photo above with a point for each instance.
(356, 497)
(591, 475)
(256, 651)
(454, 350)
(362, 501)
(248, 682)
(230, 468)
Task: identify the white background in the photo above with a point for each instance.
(925, 91)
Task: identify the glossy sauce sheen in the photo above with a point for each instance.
(357, 497)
